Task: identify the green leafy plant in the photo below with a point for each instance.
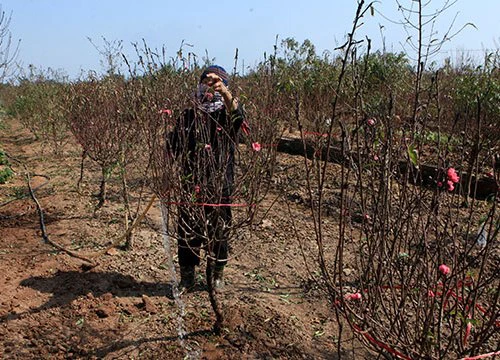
(5, 174)
(6, 171)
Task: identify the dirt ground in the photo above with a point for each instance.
(53, 307)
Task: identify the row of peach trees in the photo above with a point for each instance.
(419, 285)
(125, 124)
(414, 267)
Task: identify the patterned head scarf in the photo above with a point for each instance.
(217, 70)
(208, 100)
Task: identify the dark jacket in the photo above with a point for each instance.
(206, 143)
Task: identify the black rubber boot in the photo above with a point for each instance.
(187, 278)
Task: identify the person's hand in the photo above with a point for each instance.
(216, 83)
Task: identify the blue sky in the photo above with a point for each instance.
(54, 33)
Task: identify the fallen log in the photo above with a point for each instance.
(425, 175)
(429, 176)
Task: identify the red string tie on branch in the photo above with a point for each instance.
(484, 356)
(245, 128)
(208, 204)
(380, 344)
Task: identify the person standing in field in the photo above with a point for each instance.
(206, 137)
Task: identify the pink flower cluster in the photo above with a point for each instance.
(443, 269)
(452, 179)
(256, 146)
(355, 296)
(167, 112)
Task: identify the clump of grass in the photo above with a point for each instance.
(5, 170)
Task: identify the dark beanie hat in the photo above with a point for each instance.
(217, 70)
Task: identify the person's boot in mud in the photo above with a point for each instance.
(187, 278)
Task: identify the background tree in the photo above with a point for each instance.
(8, 53)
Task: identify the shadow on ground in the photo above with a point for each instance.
(66, 286)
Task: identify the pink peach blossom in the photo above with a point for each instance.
(167, 112)
(370, 122)
(256, 146)
(445, 270)
(208, 146)
(452, 175)
(355, 296)
(450, 185)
